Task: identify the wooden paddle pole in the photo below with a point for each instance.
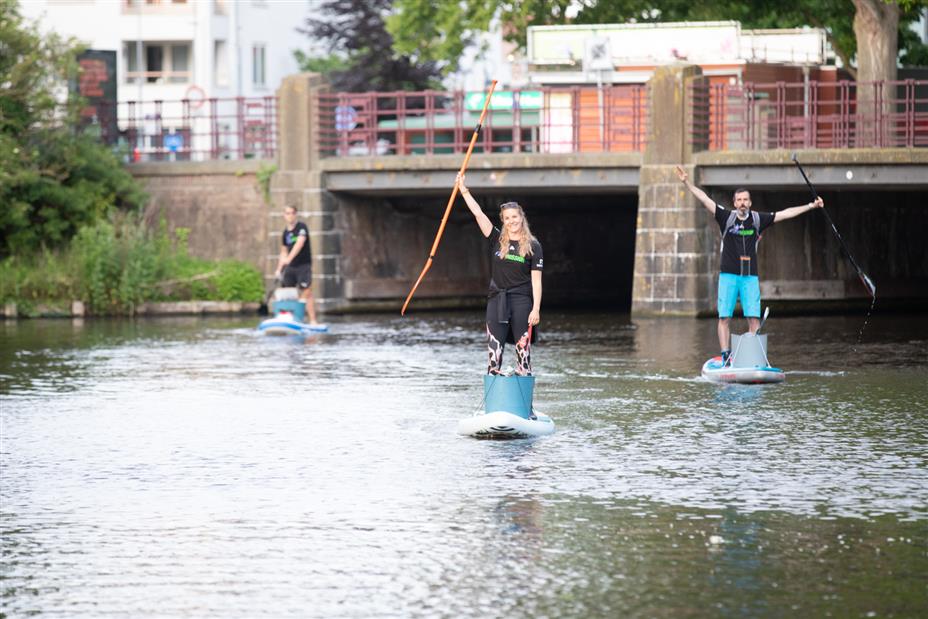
(454, 194)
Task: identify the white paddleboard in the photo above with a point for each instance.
(285, 324)
(500, 424)
(714, 370)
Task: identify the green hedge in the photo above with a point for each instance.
(113, 266)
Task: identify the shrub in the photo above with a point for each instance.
(239, 281)
(38, 277)
(113, 266)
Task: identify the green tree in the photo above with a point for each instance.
(361, 54)
(860, 31)
(439, 32)
(54, 176)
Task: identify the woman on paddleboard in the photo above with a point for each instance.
(514, 297)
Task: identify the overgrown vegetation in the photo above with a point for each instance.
(264, 175)
(113, 267)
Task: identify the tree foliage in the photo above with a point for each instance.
(439, 32)
(54, 176)
(361, 51)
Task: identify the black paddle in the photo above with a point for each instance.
(867, 282)
(263, 308)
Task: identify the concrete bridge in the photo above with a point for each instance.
(619, 230)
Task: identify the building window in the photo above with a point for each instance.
(162, 63)
(154, 63)
(221, 63)
(130, 53)
(258, 75)
(180, 64)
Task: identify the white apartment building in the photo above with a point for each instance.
(170, 50)
(167, 49)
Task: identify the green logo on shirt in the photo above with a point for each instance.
(748, 232)
(515, 258)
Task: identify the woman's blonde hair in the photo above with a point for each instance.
(525, 239)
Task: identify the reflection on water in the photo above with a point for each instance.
(188, 467)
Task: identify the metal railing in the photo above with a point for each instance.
(577, 119)
(813, 114)
(545, 120)
(191, 129)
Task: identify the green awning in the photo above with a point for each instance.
(499, 120)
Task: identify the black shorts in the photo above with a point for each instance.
(297, 275)
(520, 306)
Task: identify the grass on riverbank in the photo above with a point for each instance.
(115, 266)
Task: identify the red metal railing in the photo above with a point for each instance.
(815, 114)
(545, 120)
(193, 130)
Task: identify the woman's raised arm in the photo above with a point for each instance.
(486, 226)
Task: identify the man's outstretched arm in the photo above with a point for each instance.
(708, 202)
(789, 213)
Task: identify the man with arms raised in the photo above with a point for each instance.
(741, 229)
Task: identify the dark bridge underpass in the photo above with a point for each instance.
(588, 240)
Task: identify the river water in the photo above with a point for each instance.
(188, 467)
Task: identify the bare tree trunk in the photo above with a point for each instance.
(876, 26)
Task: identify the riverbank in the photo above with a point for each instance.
(77, 309)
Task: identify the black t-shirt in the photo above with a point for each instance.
(288, 239)
(514, 270)
(740, 240)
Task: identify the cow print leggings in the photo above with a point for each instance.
(498, 333)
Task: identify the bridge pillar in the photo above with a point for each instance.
(674, 247)
(299, 182)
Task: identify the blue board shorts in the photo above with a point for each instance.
(731, 287)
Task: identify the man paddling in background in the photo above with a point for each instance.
(741, 229)
(296, 260)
